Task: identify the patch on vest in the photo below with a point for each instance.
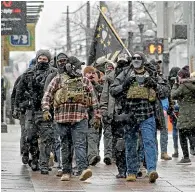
(139, 92)
(72, 91)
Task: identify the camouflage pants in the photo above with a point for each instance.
(42, 130)
(93, 141)
(107, 139)
(164, 137)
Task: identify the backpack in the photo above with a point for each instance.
(72, 90)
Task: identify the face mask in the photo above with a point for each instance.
(137, 64)
(43, 65)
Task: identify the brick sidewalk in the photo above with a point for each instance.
(16, 177)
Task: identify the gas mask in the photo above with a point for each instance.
(72, 71)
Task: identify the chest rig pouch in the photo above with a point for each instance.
(138, 91)
(72, 91)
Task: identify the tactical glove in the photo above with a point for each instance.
(47, 116)
(96, 123)
(149, 82)
(128, 81)
(16, 114)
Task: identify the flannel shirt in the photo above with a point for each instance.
(141, 109)
(68, 112)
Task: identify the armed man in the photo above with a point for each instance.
(140, 88)
(71, 95)
(111, 110)
(30, 89)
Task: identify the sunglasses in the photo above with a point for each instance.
(62, 60)
(136, 58)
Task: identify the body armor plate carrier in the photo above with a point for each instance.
(72, 91)
(140, 92)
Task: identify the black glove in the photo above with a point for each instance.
(128, 81)
(149, 82)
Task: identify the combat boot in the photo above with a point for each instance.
(175, 154)
(35, 164)
(165, 156)
(25, 158)
(44, 171)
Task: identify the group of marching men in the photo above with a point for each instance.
(63, 110)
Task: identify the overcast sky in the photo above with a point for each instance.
(50, 15)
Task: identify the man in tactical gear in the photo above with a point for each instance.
(60, 61)
(140, 88)
(111, 110)
(18, 112)
(95, 129)
(31, 89)
(71, 96)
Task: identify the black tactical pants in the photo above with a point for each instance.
(23, 143)
(42, 130)
(119, 146)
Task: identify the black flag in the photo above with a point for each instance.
(105, 43)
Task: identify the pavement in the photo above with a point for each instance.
(16, 177)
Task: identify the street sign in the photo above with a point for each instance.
(13, 17)
(23, 42)
(20, 40)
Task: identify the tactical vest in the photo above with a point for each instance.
(139, 92)
(72, 91)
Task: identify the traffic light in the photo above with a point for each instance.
(153, 48)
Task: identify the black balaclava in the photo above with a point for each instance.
(43, 65)
(62, 67)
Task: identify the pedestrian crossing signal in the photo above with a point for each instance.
(153, 48)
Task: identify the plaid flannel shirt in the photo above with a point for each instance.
(68, 112)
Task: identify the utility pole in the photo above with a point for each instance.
(165, 39)
(88, 28)
(130, 33)
(68, 31)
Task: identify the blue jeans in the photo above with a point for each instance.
(175, 135)
(74, 136)
(148, 132)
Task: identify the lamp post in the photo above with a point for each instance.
(131, 28)
(141, 17)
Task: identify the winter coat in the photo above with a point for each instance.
(185, 94)
(107, 102)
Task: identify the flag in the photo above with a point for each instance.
(105, 43)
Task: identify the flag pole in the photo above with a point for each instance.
(115, 33)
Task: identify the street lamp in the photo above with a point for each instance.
(131, 28)
(141, 17)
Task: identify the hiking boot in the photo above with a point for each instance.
(184, 161)
(87, 173)
(153, 176)
(25, 159)
(65, 177)
(131, 177)
(94, 160)
(44, 171)
(192, 151)
(121, 175)
(107, 161)
(59, 173)
(165, 156)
